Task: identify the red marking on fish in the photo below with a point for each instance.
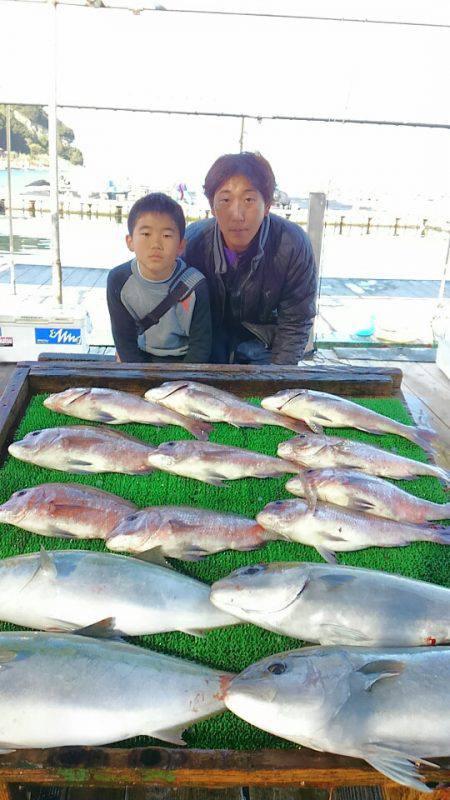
(224, 682)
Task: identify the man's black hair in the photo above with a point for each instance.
(252, 165)
(157, 203)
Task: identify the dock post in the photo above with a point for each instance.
(315, 228)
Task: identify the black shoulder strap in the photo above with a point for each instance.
(180, 291)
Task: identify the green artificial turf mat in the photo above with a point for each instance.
(232, 648)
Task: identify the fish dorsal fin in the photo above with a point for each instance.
(378, 670)
(104, 629)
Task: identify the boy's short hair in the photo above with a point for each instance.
(253, 165)
(157, 203)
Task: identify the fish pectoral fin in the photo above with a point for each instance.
(192, 553)
(333, 537)
(78, 462)
(47, 563)
(338, 634)
(378, 670)
(52, 530)
(171, 735)
(400, 767)
(104, 629)
(214, 479)
(310, 492)
(328, 555)
(154, 556)
(361, 505)
(104, 416)
(315, 426)
(46, 568)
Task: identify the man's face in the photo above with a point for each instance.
(239, 209)
(156, 243)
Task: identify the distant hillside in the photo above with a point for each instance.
(29, 133)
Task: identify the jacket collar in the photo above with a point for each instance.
(220, 261)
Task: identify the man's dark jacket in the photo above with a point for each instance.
(273, 295)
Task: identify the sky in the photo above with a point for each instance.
(245, 65)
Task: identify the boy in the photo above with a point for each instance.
(159, 308)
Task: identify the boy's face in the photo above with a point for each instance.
(239, 209)
(156, 243)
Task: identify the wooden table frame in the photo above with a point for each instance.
(175, 767)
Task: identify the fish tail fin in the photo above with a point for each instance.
(442, 511)
(297, 425)
(439, 533)
(199, 429)
(428, 440)
(443, 475)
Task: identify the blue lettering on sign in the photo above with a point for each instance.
(57, 335)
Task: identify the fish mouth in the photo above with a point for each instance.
(10, 516)
(18, 450)
(253, 688)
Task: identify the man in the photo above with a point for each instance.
(259, 267)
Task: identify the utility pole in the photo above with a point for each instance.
(53, 158)
(10, 213)
(241, 138)
(316, 219)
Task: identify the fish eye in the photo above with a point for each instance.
(170, 444)
(278, 503)
(21, 493)
(277, 668)
(131, 517)
(254, 569)
(34, 433)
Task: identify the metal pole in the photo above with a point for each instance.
(316, 215)
(241, 138)
(10, 213)
(444, 274)
(53, 158)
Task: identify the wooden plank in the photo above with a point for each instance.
(5, 793)
(431, 390)
(97, 794)
(164, 793)
(12, 404)
(397, 792)
(242, 380)
(305, 793)
(176, 767)
(356, 793)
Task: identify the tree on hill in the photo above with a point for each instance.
(29, 133)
